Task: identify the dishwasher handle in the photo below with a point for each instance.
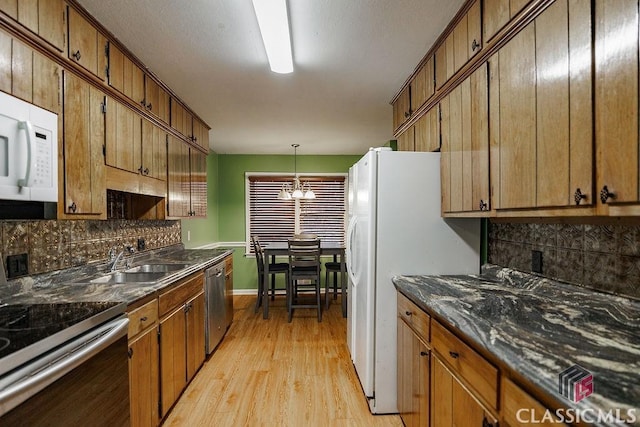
(20, 385)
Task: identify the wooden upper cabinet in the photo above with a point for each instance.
(406, 140)
(441, 65)
(545, 143)
(154, 151)
(123, 137)
(402, 108)
(427, 132)
(474, 29)
(156, 99)
(497, 13)
(87, 46)
(84, 138)
(201, 134)
(422, 85)
(29, 75)
(45, 18)
(179, 186)
(181, 119)
(460, 38)
(616, 109)
(198, 178)
(125, 76)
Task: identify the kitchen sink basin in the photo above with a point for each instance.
(127, 277)
(156, 268)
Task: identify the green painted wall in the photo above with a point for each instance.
(231, 198)
(205, 231)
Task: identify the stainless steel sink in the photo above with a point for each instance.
(156, 268)
(127, 277)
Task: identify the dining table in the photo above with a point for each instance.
(274, 249)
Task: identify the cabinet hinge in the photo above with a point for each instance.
(106, 72)
(104, 150)
(103, 106)
(106, 48)
(159, 407)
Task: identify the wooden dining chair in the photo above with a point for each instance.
(274, 269)
(304, 275)
(333, 267)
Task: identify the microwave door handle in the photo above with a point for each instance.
(31, 154)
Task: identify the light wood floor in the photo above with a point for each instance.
(274, 373)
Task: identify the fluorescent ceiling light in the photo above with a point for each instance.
(274, 27)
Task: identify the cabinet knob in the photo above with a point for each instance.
(143, 319)
(408, 313)
(73, 207)
(406, 114)
(605, 194)
(424, 353)
(130, 352)
(149, 106)
(486, 423)
(578, 196)
(77, 55)
(146, 171)
(475, 45)
(140, 169)
(454, 354)
(143, 102)
(484, 206)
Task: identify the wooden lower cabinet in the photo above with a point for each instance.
(413, 377)
(144, 385)
(181, 337)
(452, 403)
(518, 407)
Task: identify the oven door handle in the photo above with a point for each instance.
(25, 382)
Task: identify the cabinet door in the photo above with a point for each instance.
(451, 403)
(413, 377)
(441, 65)
(518, 121)
(83, 42)
(154, 151)
(419, 88)
(616, 109)
(173, 374)
(124, 134)
(479, 137)
(198, 183)
(157, 99)
(84, 138)
(445, 155)
(406, 140)
(495, 15)
(44, 17)
(201, 134)
(179, 186)
(195, 334)
(402, 107)
(460, 49)
(22, 71)
(474, 29)
(456, 127)
(47, 80)
(144, 385)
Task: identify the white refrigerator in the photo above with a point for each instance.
(395, 228)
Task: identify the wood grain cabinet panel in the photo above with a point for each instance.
(144, 385)
(198, 183)
(616, 109)
(406, 140)
(179, 186)
(154, 151)
(465, 152)
(125, 76)
(402, 108)
(156, 99)
(123, 137)
(84, 138)
(514, 399)
(86, 45)
(173, 341)
(495, 16)
(451, 403)
(413, 377)
(195, 334)
(45, 18)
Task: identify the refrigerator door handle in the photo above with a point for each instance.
(351, 229)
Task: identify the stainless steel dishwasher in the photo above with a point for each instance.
(217, 320)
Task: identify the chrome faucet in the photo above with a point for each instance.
(115, 258)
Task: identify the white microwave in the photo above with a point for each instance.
(28, 151)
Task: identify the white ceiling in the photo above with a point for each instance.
(350, 58)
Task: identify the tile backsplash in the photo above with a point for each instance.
(53, 245)
(601, 257)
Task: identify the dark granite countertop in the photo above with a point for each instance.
(538, 327)
(63, 285)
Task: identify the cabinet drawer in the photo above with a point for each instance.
(414, 316)
(228, 263)
(467, 364)
(142, 317)
(180, 293)
(514, 399)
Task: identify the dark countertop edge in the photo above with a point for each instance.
(174, 253)
(548, 400)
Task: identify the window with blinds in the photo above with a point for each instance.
(275, 220)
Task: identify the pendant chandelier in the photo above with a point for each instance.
(297, 190)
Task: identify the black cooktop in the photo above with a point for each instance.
(26, 330)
